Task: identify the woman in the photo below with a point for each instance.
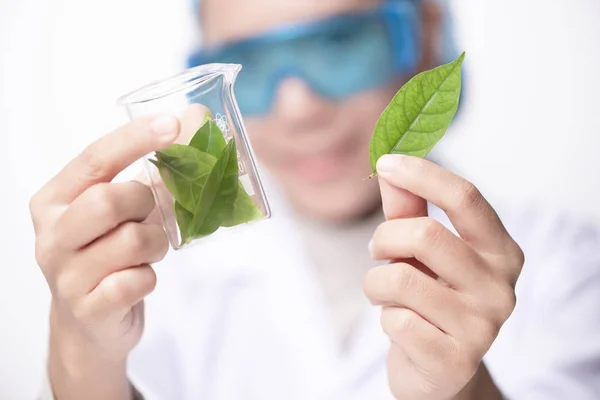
(279, 312)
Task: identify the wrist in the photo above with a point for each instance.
(76, 357)
(81, 372)
(79, 367)
(73, 341)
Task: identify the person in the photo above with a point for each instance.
(280, 310)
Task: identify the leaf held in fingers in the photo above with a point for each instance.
(419, 114)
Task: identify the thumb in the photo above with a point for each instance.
(400, 203)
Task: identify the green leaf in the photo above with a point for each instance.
(243, 210)
(209, 138)
(184, 170)
(221, 183)
(222, 206)
(420, 113)
(203, 179)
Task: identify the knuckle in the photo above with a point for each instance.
(35, 203)
(468, 195)
(151, 280)
(511, 263)
(398, 322)
(46, 253)
(505, 305)
(114, 290)
(103, 201)
(133, 237)
(499, 308)
(519, 257)
(404, 322)
(430, 231)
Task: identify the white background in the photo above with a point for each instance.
(529, 130)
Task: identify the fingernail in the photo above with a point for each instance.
(371, 247)
(386, 164)
(165, 126)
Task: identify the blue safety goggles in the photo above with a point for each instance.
(337, 57)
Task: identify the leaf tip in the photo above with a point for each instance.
(461, 58)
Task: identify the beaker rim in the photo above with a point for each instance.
(179, 82)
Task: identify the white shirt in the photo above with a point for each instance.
(244, 316)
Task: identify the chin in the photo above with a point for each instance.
(337, 203)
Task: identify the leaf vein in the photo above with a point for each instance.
(403, 134)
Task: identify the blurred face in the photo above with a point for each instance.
(316, 149)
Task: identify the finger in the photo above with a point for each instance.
(159, 188)
(400, 203)
(104, 159)
(160, 192)
(472, 216)
(117, 293)
(129, 245)
(424, 344)
(402, 285)
(100, 209)
(432, 244)
(191, 119)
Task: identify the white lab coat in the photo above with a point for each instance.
(241, 317)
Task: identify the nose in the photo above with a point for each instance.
(298, 106)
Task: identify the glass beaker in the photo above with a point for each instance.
(208, 181)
